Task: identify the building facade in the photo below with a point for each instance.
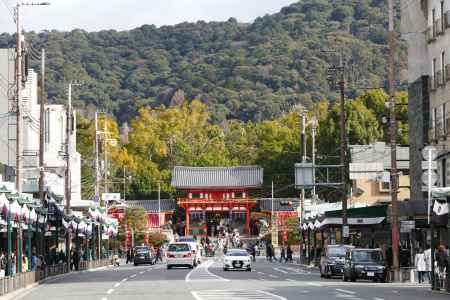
(425, 25)
(370, 174)
(54, 128)
(215, 197)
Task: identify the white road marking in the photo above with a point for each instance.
(104, 298)
(123, 280)
(273, 276)
(142, 272)
(201, 273)
(291, 280)
(110, 291)
(376, 298)
(117, 284)
(395, 292)
(313, 284)
(346, 291)
(282, 271)
(134, 275)
(234, 294)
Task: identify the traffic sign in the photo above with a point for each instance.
(111, 196)
(434, 177)
(426, 152)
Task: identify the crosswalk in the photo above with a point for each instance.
(201, 274)
(235, 295)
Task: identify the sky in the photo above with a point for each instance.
(95, 15)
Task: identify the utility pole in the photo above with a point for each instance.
(343, 156)
(97, 173)
(19, 121)
(159, 206)
(68, 190)
(393, 141)
(42, 129)
(303, 154)
(105, 150)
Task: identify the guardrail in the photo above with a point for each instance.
(10, 284)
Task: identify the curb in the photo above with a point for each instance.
(20, 293)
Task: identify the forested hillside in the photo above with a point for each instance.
(246, 71)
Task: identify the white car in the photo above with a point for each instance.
(237, 259)
(196, 251)
(180, 255)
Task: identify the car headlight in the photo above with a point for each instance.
(359, 267)
(380, 268)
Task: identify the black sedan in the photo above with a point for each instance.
(143, 255)
(368, 264)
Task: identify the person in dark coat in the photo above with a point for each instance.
(283, 254)
(129, 255)
(289, 254)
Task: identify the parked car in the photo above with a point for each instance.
(366, 264)
(180, 255)
(237, 259)
(143, 255)
(332, 260)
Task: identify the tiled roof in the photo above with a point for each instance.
(167, 205)
(217, 177)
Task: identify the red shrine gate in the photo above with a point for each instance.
(216, 196)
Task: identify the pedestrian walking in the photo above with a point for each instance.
(289, 254)
(427, 254)
(158, 255)
(283, 254)
(129, 254)
(420, 265)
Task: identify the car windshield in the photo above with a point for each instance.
(367, 256)
(190, 240)
(141, 249)
(336, 252)
(179, 247)
(237, 253)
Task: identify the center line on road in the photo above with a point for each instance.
(346, 291)
(110, 291)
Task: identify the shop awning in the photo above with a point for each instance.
(352, 221)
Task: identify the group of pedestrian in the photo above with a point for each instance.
(286, 254)
(422, 263)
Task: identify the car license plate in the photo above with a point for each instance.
(370, 274)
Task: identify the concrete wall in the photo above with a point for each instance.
(373, 194)
(7, 149)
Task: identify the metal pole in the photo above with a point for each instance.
(429, 183)
(393, 141)
(42, 129)
(19, 246)
(343, 153)
(105, 135)
(29, 242)
(159, 206)
(68, 191)
(9, 230)
(97, 176)
(19, 99)
(124, 184)
(313, 154)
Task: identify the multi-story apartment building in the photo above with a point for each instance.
(425, 25)
(54, 141)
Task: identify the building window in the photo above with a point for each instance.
(443, 66)
(433, 72)
(433, 18)
(442, 16)
(444, 172)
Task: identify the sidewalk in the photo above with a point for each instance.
(24, 291)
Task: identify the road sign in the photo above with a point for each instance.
(111, 196)
(426, 152)
(434, 177)
(345, 231)
(407, 226)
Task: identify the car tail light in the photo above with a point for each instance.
(170, 255)
(188, 255)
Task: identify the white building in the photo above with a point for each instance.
(55, 139)
(425, 25)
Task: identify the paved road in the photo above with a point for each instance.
(267, 281)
